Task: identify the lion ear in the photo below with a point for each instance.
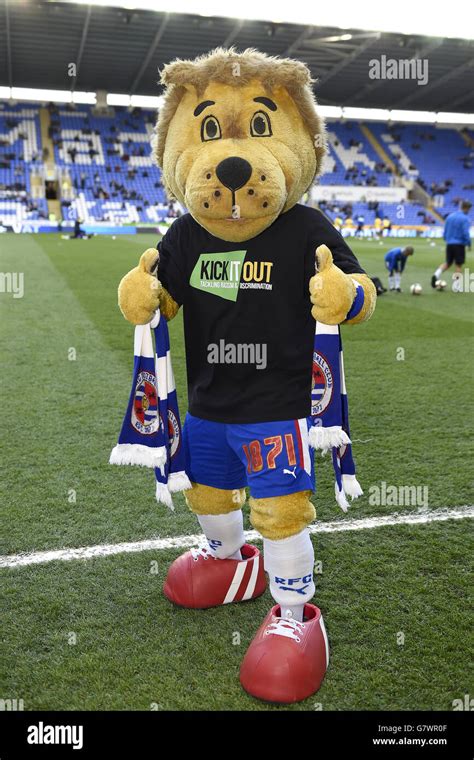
(189, 88)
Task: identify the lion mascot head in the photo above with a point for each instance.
(238, 138)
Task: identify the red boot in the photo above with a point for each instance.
(287, 660)
(197, 579)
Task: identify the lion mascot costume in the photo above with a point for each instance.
(239, 140)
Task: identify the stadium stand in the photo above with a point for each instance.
(20, 158)
(109, 163)
(103, 169)
(428, 154)
(352, 159)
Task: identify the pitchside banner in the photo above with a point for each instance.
(356, 194)
(35, 226)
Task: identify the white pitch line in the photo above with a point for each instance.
(184, 542)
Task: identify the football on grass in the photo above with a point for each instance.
(416, 289)
(440, 284)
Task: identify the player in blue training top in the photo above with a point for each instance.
(457, 236)
(395, 261)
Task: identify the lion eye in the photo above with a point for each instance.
(210, 129)
(260, 125)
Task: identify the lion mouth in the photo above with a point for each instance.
(229, 206)
(242, 219)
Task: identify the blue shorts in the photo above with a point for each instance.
(271, 458)
(392, 269)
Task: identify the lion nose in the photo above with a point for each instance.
(234, 172)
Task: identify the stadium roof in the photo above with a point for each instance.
(121, 49)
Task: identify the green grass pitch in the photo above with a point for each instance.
(98, 634)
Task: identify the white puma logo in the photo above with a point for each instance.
(290, 472)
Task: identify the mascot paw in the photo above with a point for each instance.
(139, 290)
(332, 292)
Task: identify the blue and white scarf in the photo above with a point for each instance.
(151, 431)
(330, 411)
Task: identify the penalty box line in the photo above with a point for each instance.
(422, 517)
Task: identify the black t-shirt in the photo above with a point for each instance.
(248, 328)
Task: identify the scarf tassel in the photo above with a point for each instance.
(324, 439)
(135, 454)
(341, 498)
(351, 486)
(178, 481)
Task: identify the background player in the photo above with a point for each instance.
(378, 227)
(360, 226)
(386, 226)
(457, 237)
(395, 261)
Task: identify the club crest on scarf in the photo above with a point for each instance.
(174, 433)
(145, 416)
(322, 385)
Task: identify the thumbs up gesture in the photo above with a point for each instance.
(139, 290)
(331, 291)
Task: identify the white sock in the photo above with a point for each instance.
(295, 611)
(457, 282)
(398, 279)
(290, 565)
(224, 533)
(438, 273)
(391, 283)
